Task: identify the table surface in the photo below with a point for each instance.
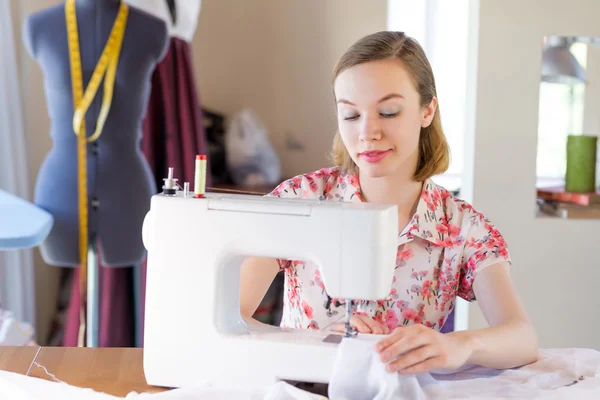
(115, 371)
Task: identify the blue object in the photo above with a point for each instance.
(22, 224)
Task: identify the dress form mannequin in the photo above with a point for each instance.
(120, 182)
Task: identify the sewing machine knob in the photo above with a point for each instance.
(146, 230)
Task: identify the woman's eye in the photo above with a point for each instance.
(389, 115)
(350, 117)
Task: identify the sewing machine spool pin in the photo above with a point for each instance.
(170, 185)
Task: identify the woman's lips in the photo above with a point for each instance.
(374, 156)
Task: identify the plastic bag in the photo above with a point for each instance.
(251, 159)
(13, 332)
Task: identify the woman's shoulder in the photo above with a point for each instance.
(451, 206)
(324, 184)
(462, 217)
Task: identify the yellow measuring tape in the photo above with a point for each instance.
(107, 65)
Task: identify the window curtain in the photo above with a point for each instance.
(16, 266)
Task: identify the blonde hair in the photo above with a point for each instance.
(434, 152)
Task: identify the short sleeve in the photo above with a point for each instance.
(281, 190)
(483, 246)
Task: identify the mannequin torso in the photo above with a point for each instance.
(120, 182)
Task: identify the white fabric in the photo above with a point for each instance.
(545, 379)
(279, 391)
(20, 387)
(358, 374)
(187, 15)
(17, 292)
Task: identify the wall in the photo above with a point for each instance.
(555, 262)
(277, 57)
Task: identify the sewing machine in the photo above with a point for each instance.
(194, 332)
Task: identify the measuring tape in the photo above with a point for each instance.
(107, 65)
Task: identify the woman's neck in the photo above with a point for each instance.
(400, 189)
(391, 190)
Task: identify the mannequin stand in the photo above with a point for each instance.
(93, 296)
(92, 327)
(137, 304)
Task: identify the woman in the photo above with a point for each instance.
(389, 144)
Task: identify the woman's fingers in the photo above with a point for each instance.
(404, 341)
(357, 324)
(425, 366)
(373, 325)
(363, 324)
(412, 358)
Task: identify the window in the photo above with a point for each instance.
(560, 114)
(441, 27)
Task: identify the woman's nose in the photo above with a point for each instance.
(370, 129)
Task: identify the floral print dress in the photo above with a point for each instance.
(440, 252)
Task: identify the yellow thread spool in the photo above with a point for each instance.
(200, 176)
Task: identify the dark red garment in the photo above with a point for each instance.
(173, 128)
(173, 133)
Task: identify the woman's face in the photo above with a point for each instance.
(380, 117)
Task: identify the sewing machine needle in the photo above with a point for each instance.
(349, 331)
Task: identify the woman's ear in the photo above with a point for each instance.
(428, 112)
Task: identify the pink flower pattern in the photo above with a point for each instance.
(440, 252)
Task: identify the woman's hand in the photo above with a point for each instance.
(416, 349)
(363, 324)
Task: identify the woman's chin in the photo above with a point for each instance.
(374, 170)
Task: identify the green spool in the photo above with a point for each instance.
(581, 164)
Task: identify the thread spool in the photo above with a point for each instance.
(581, 164)
(200, 176)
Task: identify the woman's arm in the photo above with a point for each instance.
(510, 341)
(256, 276)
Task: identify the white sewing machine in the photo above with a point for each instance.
(194, 332)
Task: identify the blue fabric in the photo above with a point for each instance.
(22, 224)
